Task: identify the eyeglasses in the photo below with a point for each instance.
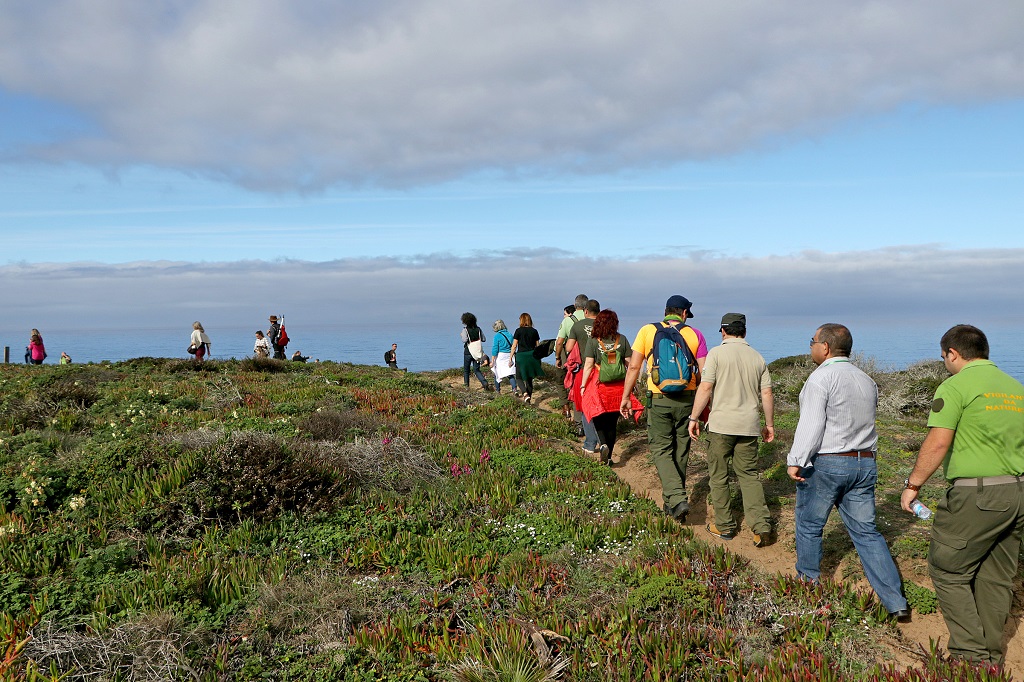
(814, 341)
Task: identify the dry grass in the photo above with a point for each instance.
(156, 648)
(389, 463)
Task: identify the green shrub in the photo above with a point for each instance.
(921, 599)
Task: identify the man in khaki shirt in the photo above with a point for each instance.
(737, 376)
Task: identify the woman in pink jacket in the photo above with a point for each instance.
(36, 349)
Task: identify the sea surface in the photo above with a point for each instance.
(424, 348)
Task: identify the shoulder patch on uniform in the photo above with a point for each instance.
(937, 405)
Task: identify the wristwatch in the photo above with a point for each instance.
(909, 486)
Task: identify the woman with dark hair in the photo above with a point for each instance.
(605, 360)
(528, 367)
(471, 333)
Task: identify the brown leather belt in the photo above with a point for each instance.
(851, 453)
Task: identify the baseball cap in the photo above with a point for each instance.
(729, 318)
(678, 301)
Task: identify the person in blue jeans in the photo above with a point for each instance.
(834, 462)
(471, 332)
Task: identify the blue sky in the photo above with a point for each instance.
(414, 143)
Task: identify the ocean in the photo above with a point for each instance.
(425, 348)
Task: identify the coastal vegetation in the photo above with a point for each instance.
(257, 519)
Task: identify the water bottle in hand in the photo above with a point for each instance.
(921, 511)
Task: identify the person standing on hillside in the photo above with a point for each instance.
(471, 333)
(391, 356)
(579, 336)
(274, 335)
(36, 351)
(199, 341)
(834, 464)
(668, 413)
(573, 314)
(976, 432)
(737, 376)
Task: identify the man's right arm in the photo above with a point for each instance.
(636, 361)
(768, 403)
(810, 430)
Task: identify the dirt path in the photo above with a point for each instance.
(631, 463)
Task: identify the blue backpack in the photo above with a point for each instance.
(671, 363)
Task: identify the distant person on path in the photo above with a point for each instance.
(579, 336)
(200, 341)
(528, 367)
(976, 432)
(833, 460)
(274, 335)
(604, 374)
(737, 377)
(470, 334)
(502, 361)
(667, 413)
(65, 359)
(261, 348)
(573, 314)
(36, 349)
(297, 356)
(391, 357)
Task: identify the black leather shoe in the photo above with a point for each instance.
(901, 616)
(678, 512)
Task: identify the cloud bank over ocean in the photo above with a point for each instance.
(282, 96)
(899, 285)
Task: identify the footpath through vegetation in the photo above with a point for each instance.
(259, 519)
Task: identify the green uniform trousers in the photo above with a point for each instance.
(742, 452)
(972, 560)
(669, 441)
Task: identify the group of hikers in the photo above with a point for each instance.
(976, 433)
(273, 343)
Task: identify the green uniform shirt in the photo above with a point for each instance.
(985, 406)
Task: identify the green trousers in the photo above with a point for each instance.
(742, 452)
(972, 560)
(669, 441)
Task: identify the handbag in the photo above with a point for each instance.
(476, 348)
(191, 350)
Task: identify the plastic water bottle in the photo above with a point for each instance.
(921, 511)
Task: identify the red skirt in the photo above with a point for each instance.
(600, 398)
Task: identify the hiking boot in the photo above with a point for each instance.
(713, 529)
(763, 539)
(606, 455)
(677, 512)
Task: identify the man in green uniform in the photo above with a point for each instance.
(976, 431)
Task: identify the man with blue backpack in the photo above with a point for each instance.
(675, 354)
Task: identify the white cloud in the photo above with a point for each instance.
(283, 95)
(902, 285)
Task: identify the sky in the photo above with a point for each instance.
(361, 160)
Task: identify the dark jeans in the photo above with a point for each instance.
(471, 365)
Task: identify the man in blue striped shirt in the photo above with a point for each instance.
(833, 462)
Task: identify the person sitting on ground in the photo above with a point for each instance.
(297, 356)
(65, 359)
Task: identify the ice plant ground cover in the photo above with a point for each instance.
(256, 519)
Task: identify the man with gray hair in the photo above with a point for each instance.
(833, 460)
(738, 377)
